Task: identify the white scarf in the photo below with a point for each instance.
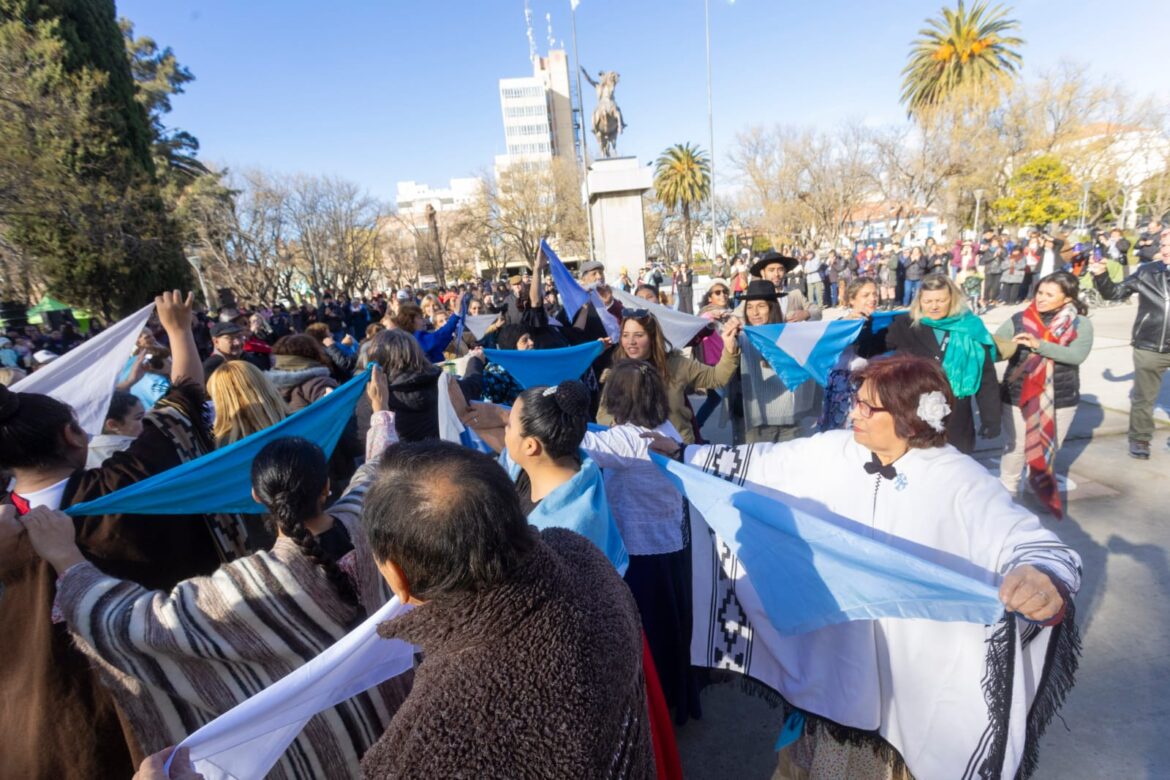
(86, 376)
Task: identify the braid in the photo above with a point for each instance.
(311, 548)
(288, 476)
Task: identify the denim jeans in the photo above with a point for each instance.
(911, 289)
(709, 406)
(816, 293)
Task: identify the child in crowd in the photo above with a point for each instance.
(971, 281)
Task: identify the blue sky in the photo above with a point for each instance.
(379, 92)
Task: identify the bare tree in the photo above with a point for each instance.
(537, 200)
(804, 185)
(237, 225)
(335, 229)
(483, 237)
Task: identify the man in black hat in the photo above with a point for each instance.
(227, 338)
(772, 267)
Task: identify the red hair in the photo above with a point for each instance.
(899, 382)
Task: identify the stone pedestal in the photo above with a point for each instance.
(616, 185)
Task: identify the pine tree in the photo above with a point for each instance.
(99, 229)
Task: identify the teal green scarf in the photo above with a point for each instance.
(963, 360)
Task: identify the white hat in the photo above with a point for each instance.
(43, 356)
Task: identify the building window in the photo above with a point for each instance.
(515, 93)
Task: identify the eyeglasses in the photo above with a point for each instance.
(865, 409)
(719, 292)
(628, 314)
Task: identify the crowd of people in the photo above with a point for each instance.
(999, 268)
(551, 582)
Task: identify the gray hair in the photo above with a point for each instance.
(398, 352)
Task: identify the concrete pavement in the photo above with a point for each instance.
(1111, 724)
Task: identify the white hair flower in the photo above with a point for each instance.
(933, 408)
(550, 390)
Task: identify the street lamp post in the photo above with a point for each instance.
(978, 203)
(196, 263)
(710, 126)
(1084, 207)
(581, 129)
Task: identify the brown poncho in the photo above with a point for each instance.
(56, 719)
(540, 677)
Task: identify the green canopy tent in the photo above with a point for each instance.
(50, 304)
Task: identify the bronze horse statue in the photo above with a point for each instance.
(607, 117)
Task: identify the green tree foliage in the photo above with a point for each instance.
(97, 226)
(157, 76)
(1041, 192)
(682, 181)
(966, 48)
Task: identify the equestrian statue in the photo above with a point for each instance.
(607, 117)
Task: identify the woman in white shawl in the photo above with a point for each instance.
(928, 699)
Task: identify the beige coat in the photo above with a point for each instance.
(685, 375)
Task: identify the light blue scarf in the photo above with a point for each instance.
(536, 367)
(579, 505)
(220, 482)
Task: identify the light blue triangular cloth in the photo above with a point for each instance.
(535, 367)
(811, 572)
(220, 482)
(799, 351)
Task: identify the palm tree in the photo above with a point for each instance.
(682, 180)
(966, 48)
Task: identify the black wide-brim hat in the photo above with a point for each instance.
(760, 290)
(772, 256)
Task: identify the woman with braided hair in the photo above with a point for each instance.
(256, 619)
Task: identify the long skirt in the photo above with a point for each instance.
(823, 758)
(661, 585)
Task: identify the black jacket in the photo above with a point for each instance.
(414, 399)
(1151, 329)
(1066, 378)
(1148, 246)
(907, 338)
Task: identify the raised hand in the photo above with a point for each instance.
(174, 312)
(378, 389)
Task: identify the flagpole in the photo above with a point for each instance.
(710, 128)
(581, 126)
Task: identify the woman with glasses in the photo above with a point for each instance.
(904, 697)
(641, 339)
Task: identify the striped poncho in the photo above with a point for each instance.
(175, 661)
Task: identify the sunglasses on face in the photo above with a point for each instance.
(719, 292)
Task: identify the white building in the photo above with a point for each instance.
(413, 198)
(538, 113)
(881, 220)
(1128, 154)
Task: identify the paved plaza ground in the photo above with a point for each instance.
(1111, 726)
